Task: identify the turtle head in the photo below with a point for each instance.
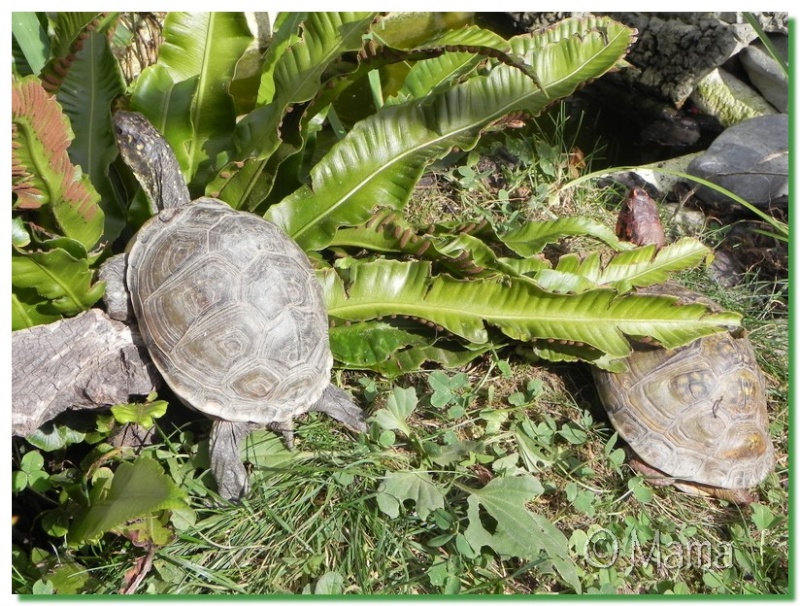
(151, 160)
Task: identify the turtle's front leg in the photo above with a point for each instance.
(286, 429)
(116, 297)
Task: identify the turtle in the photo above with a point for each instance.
(695, 416)
(228, 306)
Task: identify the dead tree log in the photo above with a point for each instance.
(86, 362)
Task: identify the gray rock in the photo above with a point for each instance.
(765, 73)
(769, 21)
(728, 99)
(773, 22)
(726, 270)
(675, 51)
(750, 159)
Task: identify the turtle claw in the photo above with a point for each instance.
(337, 404)
(288, 436)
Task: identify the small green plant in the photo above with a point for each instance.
(514, 531)
(144, 414)
(111, 490)
(31, 473)
(448, 392)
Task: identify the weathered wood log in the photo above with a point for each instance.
(86, 362)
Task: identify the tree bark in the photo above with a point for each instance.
(86, 362)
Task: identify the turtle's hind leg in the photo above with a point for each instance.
(226, 463)
(338, 404)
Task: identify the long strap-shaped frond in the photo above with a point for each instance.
(519, 308)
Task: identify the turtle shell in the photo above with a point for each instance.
(231, 313)
(697, 413)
